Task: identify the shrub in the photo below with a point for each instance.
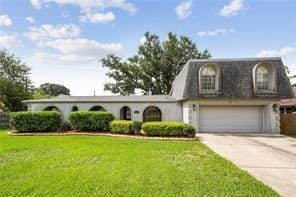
(37, 121)
(121, 126)
(90, 120)
(137, 126)
(189, 131)
(167, 129)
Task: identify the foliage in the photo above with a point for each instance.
(108, 166)
(189, 131)
(15, 84)
(167, 129)
(53, 89)
(137, 126)
(37, 121)
(90, 121)
(294, 84)
(122, 126)
(148, 70)
(3, 108)
(40, 94)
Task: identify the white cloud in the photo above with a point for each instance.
(30, 19)
(183, 10)
(83, 47)
(214, 32)
(9, 40)
(280, 53)
(5, 20)
(74, 51)
(60, 59)
(48, 32)
(233, 8)
(97, 17)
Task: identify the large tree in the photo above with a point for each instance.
(154, 67)
(15, 84)
(52, 89)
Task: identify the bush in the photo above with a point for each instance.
(122, 126)
(90, 120)
(37, 121)
(167, 129)
(137, 126)
(189, 131)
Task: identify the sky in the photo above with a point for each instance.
(63, 40)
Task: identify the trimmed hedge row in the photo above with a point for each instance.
(90, 120)
(125, 126)
(37, 121)
(168, 129)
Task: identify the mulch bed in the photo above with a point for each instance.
(97, 133)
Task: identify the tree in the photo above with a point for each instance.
(15, 84)
(53, 89)
(293, 85)
(154, 67)
(40, 94)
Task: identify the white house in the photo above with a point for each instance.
(215, 95)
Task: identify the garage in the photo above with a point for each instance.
(244, 119)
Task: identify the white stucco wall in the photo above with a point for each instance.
(170, 111)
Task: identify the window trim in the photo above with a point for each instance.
(217, 78)
(272, 78)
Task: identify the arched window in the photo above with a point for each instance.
(209, 78)
(51, 108)
(97, 108)
(74, 108)
(125, 113)
(152, 114)
(264, 77)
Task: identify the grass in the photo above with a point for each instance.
(106, 166)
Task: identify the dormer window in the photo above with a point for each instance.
(209, 78)
(264, 77)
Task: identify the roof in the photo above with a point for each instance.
(105, 99)
(236, 79)
(289, 102)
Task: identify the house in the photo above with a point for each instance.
(288, 105)
(215, 95)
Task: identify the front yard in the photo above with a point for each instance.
(107, 166)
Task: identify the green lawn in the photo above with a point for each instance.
(107, 166)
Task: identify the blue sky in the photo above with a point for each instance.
(62, 40)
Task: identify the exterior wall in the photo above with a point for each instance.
(170, 111)
(271, 118)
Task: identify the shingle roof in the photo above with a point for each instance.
(107, 99)
(236, 79)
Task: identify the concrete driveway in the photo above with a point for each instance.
(269, 158)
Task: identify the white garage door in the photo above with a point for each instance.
(231, 119)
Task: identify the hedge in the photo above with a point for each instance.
(37, 121)
(122, 126)
(168, 129)
(90, 120)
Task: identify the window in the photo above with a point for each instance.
(262, 76)
(125, 113)
(74, 108)
(152, 114)
(209, 79)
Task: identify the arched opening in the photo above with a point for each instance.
(152, 114)
(125, 113)
(51, 108)
(74, 108)
(97, 108)
(264, 77)
(209, 78)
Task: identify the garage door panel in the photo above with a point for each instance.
(231, 118)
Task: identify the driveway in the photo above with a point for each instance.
(269, 158)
